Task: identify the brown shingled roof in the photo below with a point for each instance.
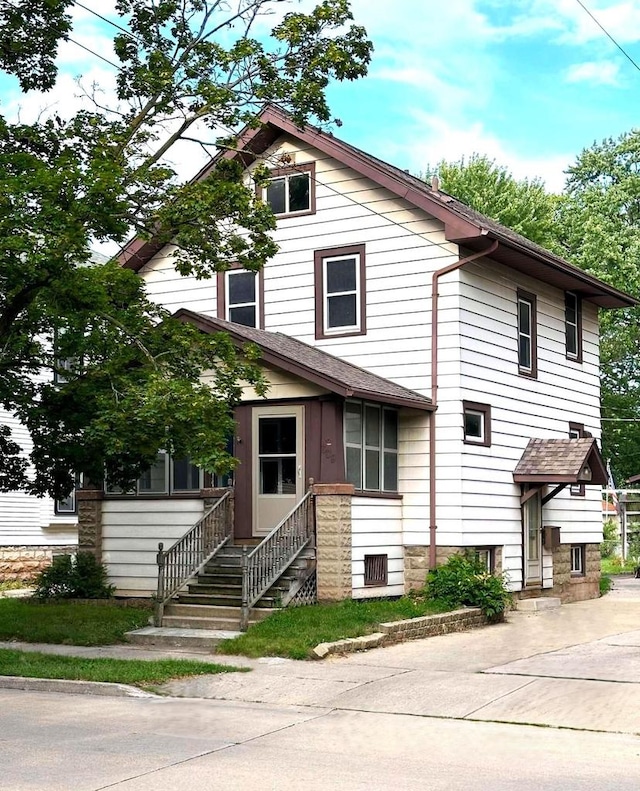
(312, 364)
(463, 225)
(561, 461)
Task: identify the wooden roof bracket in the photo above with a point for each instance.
(552, 494)
(526, 496)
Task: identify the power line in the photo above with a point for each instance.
(608, 35)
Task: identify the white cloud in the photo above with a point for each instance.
(431, 139)
(597, 72)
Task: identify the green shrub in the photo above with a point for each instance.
(605, 585)
(464, 580)
(74, 577)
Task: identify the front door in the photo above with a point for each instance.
(278, 473)
(532, 514)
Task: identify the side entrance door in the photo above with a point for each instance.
(278, 460)
(532, 517)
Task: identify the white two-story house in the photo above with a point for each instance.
(433, 374)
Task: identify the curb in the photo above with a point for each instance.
(101, 688)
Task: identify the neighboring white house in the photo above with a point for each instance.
(32, 529)
(439, 371)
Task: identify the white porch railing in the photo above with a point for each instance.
(184, 559)
(262, 567)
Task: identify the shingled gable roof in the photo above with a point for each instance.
(462, 224)
(312, 364)
(561, 461)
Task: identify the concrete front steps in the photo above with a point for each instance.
(207, 616)
(164, 637)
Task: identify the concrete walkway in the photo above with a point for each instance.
(577, 667)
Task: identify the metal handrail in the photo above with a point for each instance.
(262, 567)
(187, 556)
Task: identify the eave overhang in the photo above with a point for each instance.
(403, 397)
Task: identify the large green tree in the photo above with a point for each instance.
(522, 205)
(131, 382)
(598, 228)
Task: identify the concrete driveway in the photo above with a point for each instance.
(577, 666)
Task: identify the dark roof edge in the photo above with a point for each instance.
(307, 373)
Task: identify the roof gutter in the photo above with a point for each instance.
(434, 388)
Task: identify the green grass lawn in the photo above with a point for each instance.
(67, 623)
(33, 664)
(294, 632)
(614, 565)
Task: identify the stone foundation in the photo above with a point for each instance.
(416, 562)
(333, 541)
(24, 563)
(570, 587)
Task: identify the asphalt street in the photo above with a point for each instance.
(452, 712)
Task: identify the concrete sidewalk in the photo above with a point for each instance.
(577, 666)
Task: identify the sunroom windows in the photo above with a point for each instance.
(371, 447)
(166, 476)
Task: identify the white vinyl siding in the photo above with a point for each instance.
(131, 530)
(26, 520)
(376, 525)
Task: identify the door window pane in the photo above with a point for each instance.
(278, 476)
(277, 435)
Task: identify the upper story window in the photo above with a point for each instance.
(477, 423)
(573, 325)
(576, 430)
(340, 291)
(371, 446)
(291, 190)
(527, 334)
(240, 296)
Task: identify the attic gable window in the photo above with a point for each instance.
(573, 326)
(340, 291)
(291, 190)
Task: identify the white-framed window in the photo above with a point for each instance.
(527, 335)
(242, 297)
(486, 556)
(167, 475)
(69, 504)
(371, 446)
(290, 190)
(476, 423)
(573, 326)
(576, 430)
(577, 559)
(340, 291)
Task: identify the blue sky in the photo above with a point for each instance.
(528, 82)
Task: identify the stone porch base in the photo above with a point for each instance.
(24, 563)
